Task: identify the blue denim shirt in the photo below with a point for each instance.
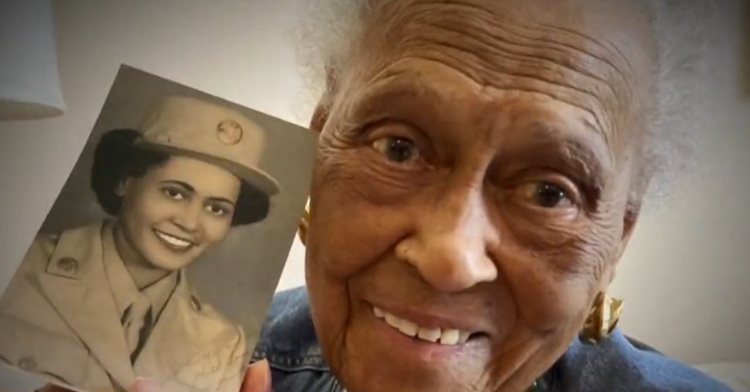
(289, 344)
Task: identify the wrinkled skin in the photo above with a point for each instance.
(474, 171)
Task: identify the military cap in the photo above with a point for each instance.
(210, 132)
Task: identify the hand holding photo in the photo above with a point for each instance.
(102, 298)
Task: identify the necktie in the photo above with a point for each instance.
(136, 318)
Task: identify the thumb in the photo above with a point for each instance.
(257, 378)
(145, 385)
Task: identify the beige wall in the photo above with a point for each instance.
(686, 273)
(685, 277)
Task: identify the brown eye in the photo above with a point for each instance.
(173, 193)
(397, 149)
(217, 210)
(547, 195)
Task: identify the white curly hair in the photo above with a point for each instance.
(329, 26)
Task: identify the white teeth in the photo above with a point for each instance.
(429, 334)
(173, 240)
(449, 337)
(463, 337)
(408, 328)
(435, 335)
(392, 320)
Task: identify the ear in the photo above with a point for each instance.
(122, 187)
(319, 117)
(628, 227)
(630, 218)
(633, 205)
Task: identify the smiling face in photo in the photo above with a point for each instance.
(176, 211)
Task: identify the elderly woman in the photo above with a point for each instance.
(482, 166)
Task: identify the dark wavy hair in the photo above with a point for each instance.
(118, 158)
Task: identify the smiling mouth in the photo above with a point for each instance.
(174, 242)
(442, 336)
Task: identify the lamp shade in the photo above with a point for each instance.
(29, 78)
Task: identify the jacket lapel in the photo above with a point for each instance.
(76, 285)
(178, 346)
(168, 345)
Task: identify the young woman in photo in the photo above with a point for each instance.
(100, 305)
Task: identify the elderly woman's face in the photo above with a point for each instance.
(470, 194)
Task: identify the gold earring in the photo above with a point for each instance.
(304, 222)
(602, 320)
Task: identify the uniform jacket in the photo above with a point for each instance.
(58, 317)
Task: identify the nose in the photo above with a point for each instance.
(450, 247)
(187, 218)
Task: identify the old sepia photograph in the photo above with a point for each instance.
(162, 251)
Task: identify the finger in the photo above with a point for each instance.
(52, 388)
(145, 385)
(257, 378)
(140, 385)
